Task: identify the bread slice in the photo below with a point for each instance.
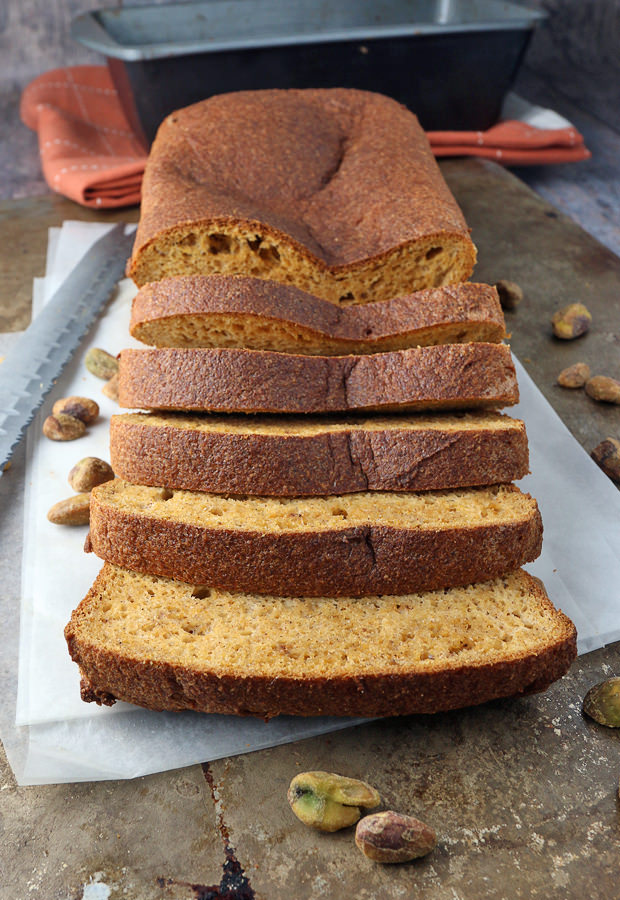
(227, 311)
(166, 645)
(334, 191)
(450, 376)
(293, 457)
(354, 544)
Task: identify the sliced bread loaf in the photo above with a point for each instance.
(166, 645)
(334, 191)
(226, 311)
(449, 376)
(290, 457)
(354, 544)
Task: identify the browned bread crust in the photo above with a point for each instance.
(234, 311)
(375, 656)
(271, 456)
(355, 544)
(335, 191)
(449, 376)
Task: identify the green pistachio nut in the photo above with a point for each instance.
(602, 703)
(329, 802)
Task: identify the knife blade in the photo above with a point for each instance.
(36, 360)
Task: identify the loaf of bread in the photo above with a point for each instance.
(334, 191)
(292, 457)
(448, 376)
(352, 544)
(166, 645)
(233, 311)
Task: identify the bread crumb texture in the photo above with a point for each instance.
(496, 505)
(225, 311)
(168, 645)
(297, 426)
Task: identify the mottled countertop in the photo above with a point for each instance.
(522, 793)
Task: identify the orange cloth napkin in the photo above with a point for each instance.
(90, 154)
(513, 143)
(88, 151)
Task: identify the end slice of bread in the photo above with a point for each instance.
(335, 191)
(353, 544)
(242, 312)
(162, 644)
(292, 457)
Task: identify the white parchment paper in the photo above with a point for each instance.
(67, 740)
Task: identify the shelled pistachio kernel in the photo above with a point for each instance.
(72, 511)
(82, 408)
(110, 388)
(329, 802)
(391, 837)
(89, 472)
(63, 427)
(101, 363)
(509, 292)
(602, 703)
(571, 321)
(574, 376)
(607, 456)
(603, 389)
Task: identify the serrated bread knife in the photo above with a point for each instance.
(36, 360)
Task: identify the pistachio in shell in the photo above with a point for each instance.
(602, 703)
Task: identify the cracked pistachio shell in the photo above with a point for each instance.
(329, 802)
(602, 703)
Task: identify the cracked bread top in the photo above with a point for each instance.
(358, 544)
(446, 376)
(336, 189)
(289, 456)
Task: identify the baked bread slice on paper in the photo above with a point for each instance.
(284, 456)
(166, 645)
(365, 543)
(448, 376)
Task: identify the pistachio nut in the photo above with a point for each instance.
(329, 802)
(602, 703)
(89, 472)
(63, 427)
(110, 388)
(604, 389)
(607, 456)
(72, 511)
(101, 363)
(83, 408)
(571, 321)
(574, 376)
(509, 292)
(391, 837)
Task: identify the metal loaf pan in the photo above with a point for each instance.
(450, 61)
